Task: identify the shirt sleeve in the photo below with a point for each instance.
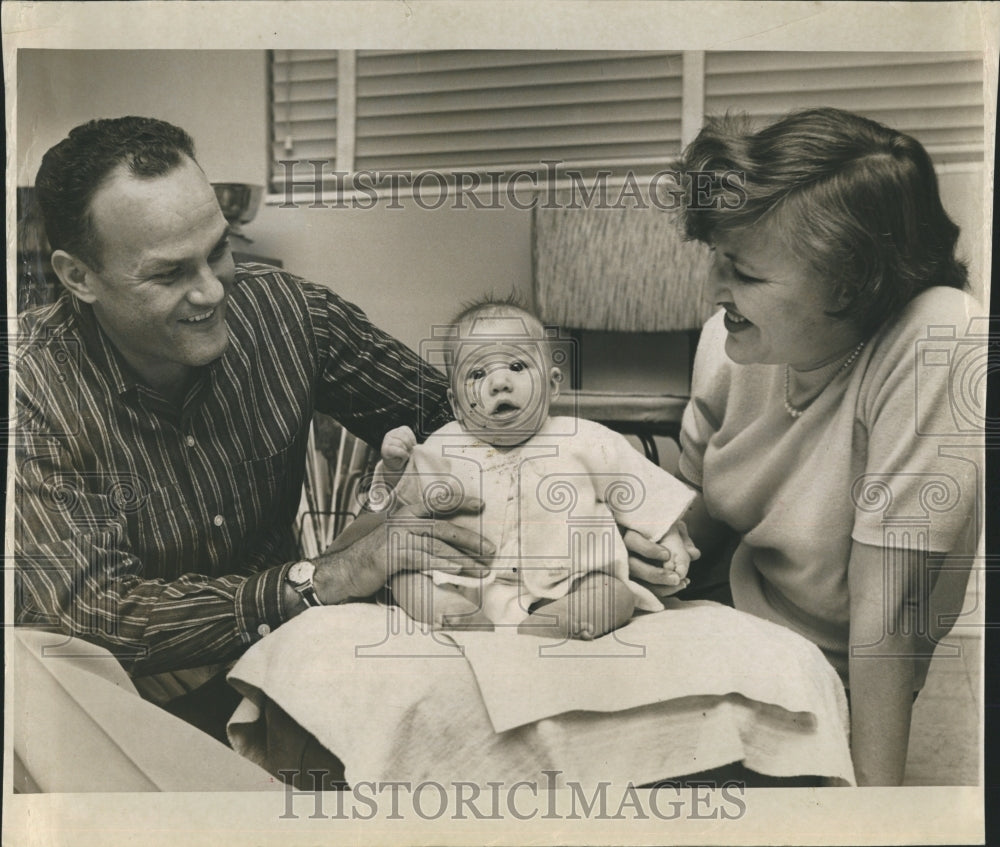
(76, 574)
(368, 380)
(921, 410)
(703, 413)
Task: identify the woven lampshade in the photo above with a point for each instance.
(625, 270)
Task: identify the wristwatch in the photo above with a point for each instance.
(300, 577)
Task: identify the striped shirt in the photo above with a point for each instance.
(165, 534)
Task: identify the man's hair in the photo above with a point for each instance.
(856, 200)
(74, 169)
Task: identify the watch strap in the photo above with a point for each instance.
(307, 592)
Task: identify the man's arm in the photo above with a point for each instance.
(378, 545)
(369, 381)
(75, 573)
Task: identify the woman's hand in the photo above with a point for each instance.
(664, 565)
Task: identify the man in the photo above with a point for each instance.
(163, 408)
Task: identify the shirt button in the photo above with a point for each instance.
(189, 441)
(218, 520)
(263, 630)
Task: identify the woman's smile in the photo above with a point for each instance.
(734, 321)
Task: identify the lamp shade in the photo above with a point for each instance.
(625, 270)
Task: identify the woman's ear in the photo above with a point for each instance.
(75, 274)
(845, 294)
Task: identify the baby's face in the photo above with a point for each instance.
(501, 380)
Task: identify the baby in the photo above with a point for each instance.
(554, 489)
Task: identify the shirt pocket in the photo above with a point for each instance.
(265, 491)
(160, 532)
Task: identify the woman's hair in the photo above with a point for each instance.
(856, 200)
(74, 169)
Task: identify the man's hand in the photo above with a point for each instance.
(361, 560)
(662, 566)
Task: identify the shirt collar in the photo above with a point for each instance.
(106, 358)
(112, 364)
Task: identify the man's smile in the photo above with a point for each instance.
(201, 318)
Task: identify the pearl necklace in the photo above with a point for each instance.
(796, 412)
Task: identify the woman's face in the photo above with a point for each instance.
(775, 305)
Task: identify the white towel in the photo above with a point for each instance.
(395, 702)
(692, 649)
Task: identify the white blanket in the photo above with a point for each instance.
(692, 688)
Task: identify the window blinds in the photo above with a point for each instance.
(477, 109)
(507, 110)
(935, 97)
(303, 106)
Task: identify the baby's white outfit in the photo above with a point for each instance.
(552, 508)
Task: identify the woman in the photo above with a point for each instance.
(814, 427)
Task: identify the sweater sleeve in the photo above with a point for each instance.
(641, 495)
(921, 411)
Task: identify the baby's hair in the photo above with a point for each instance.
(510, 305)
(856, 200)
(493, 304)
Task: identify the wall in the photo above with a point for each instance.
(962, 196)
(407, 268)
(217, 96)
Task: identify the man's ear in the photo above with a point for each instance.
(75, 274)
(555, 380)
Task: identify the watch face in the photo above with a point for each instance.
(301, 572)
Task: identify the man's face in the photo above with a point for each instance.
(166, 271)
(501, 383)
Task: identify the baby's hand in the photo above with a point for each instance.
(662, 566)
(397, 446)
(682, 551)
